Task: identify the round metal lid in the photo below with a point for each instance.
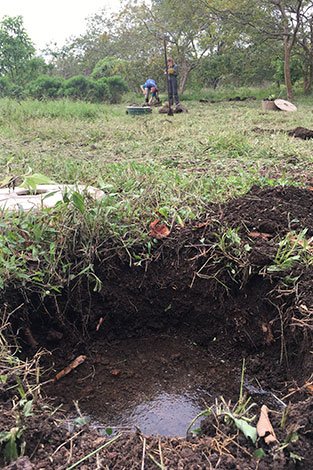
(285, 105)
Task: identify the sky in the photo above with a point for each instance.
(56, 20)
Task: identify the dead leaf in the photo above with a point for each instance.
(79, 360)
(264, 427)
(115, 372)
(263, 236)
(202, 224)
(158, 230)
(309, 388)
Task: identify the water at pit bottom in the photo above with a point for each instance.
(166, 414)
(157, 384)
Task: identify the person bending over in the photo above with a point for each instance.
(150, 88)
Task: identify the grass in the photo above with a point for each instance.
(148, 167)
(183, 163)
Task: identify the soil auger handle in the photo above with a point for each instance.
(170, 111)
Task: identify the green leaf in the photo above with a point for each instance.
(295, 457)
(10, 449)
(31, 181)
(292, 437)
(246, 428)
(28, 408)
(81, 420)
(78, 201)
(259, 453)
(164, 211)
(4, 436)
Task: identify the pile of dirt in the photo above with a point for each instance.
(301, 133)
(272, 210)
(236, 98)
(179, 108)
(298, 132)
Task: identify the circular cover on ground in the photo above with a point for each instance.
(46, 195)
(285, 105)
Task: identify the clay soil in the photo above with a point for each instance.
(189, 309)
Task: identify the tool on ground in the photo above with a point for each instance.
(170, 111)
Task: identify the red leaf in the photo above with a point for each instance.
(158, 230)
(263, 236)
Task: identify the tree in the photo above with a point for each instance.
(189, 28)
(290, 19)
(305, 42)
(16, 49)
(272, 20)
(135, 35)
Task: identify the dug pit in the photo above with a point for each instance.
(164, 339)
(157, 384)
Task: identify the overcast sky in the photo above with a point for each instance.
(55, 20)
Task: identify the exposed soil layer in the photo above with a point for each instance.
(204, 296)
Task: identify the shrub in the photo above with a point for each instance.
(117, 87)
(98, 91)
(76, 87)
(45, 87)
(5, 87)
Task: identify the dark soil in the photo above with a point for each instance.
(261, 131)
(236, 98)
(184, 320)
(301, 133)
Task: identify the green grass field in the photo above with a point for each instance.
(181, 163)
(149, 167)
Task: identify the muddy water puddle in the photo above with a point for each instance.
(157, 384)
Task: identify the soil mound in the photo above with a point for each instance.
(301, 133)
(271, 210)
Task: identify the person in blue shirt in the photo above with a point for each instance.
(150, 87)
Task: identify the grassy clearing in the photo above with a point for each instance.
(148, 167)
(209, 154)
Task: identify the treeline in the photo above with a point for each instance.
(23, 75)
(79, 87)
(214, 42)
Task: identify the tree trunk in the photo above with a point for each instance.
(183, 77)
(308, 77)
(287, 72)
